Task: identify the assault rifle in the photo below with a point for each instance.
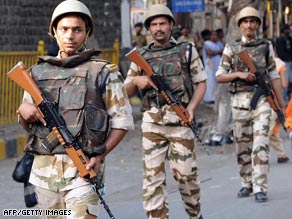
(56, 123)
(265, 85)
(135, 56)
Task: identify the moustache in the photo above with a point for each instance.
(159, 32)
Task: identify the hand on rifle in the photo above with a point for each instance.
(30, 113)
(144, 82)
(247, 76)
(190, 117)
(95, 163)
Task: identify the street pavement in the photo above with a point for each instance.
(219, 185)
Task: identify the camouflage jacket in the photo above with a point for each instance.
(172, 64)
(57, 172)
(139, 41)
(230, 62)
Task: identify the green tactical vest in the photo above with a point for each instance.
(257, 51)
(172, 65)
(75, 92)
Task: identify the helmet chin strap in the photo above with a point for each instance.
(78, 49)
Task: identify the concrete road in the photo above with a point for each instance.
(219, 185)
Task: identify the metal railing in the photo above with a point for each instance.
(11, 94)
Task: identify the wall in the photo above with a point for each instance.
(24, 22)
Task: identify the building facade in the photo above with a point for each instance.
(24, 22)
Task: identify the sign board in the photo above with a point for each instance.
(182, 6)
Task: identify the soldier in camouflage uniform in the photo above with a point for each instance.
(251, 126)
(164, 138)
(90, 95)
(139, 39)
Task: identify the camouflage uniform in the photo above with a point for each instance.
(139, 40)
(251, 127)
(163, 137)
(53, 173)
(188, 38)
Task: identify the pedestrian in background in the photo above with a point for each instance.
(284, 52)
(185, 36)
(221, 35)
(139, 39)
(275, 139)
(88, 92)
(164, 137)
(205, 35)
(251, 126)
(212, 51)
(223, 130)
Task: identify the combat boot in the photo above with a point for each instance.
(244, 192)
(261, 197)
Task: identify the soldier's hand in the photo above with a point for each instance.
(95, 163)
(190, 118)
(144, 82)
(29, 112)
(247, 76)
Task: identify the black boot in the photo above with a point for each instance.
(244, 192)
(261, 197)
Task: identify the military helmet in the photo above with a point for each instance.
(248, 12)
(157, 10)
(71, 6)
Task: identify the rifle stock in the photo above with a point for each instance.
(56, 123)
(138, 59)
(20, 76)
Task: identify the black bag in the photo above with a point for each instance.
(22, 169)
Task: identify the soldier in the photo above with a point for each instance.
(251, 127)
(89, 94)
(185, 35)
(164, 138)
(139, 39)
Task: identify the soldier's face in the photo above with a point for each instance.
(160, 29)
(249, 26)
(70, 34)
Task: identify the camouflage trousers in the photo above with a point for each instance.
(78, 203)
(251, 134)
(176, 145)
